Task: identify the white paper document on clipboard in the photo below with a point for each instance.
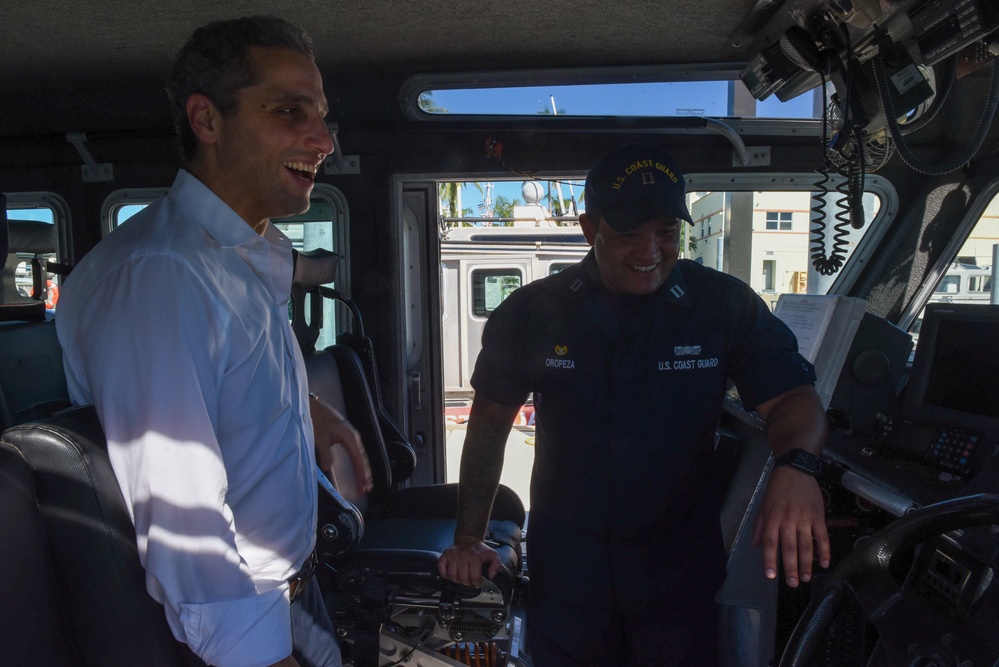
(824, 325)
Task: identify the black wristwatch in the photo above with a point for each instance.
(802, 460)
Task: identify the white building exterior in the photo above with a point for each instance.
(780, 261)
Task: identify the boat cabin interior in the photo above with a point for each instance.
(840, 156)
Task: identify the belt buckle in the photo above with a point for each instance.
(296, 584)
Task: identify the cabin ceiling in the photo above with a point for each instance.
(99, 66)
(89, 49)
(124, 36)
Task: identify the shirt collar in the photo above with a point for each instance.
(208, 210)
(673, 290)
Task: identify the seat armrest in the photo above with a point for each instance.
(440, 501)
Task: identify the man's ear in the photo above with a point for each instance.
(589, 227)
(203, 117)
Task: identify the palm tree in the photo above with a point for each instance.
(504, 207)
(450, 198)
(553, 198)
(427, 103)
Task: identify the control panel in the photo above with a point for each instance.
(948, 448)
(944, 28)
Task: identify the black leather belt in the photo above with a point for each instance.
(298, 581)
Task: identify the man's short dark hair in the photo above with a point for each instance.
(214, 63)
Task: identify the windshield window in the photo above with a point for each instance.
(765, 238)
(969, 280)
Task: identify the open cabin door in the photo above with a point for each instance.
(421, 326)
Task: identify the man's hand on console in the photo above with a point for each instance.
(792, 519)
(464, 561)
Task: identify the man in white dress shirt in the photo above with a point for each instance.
(176, 329)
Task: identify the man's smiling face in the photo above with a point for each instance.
(635, 262)
(269, 150)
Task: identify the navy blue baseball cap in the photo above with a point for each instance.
(634, 184)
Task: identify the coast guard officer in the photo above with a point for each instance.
(628, 354)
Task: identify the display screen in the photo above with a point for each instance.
(964, 372)
(914, 437)
(950, 415)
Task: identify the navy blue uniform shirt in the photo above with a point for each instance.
(628, 392)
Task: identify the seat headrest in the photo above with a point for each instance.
(314, 267)
(31, 236)
(13, 307)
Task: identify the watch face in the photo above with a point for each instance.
(805, 461)
(802, 460)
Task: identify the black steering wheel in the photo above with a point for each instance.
(865, 575)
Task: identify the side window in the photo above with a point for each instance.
(490, 287)
(979, 284)
(121, 205)
(317, 228)
(968, 279)
(951, 284)
(37, 222)
(558, 267)
(126, 212)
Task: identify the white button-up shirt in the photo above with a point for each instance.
(176, 329)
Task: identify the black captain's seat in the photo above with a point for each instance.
(384, 592)
(109, 617)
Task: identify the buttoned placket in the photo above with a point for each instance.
(270, 258)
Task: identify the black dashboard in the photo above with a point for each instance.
(939, 445)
